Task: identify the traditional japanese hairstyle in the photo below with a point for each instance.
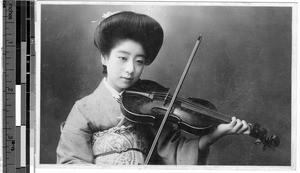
(129, 25)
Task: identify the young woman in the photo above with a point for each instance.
(96, 132)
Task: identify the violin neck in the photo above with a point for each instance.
(207, 111)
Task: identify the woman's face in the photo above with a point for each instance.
(125, 64)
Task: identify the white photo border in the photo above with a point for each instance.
(41, 168)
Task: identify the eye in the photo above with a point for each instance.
(140, 62)
(123, 58)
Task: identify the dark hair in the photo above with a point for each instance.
(129, 25)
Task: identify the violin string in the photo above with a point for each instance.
(169, 95)
(195, 105)
(192, 104)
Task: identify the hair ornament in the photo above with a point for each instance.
(107, 14)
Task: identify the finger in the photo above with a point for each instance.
(233, 122)
(248, 129)
(244, 128)
(237, 126)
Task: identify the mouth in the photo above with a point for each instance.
(128, 79)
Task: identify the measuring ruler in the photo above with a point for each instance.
(18, 49)
(9, 85)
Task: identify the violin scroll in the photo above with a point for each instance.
(262, 137)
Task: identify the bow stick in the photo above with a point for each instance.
(173, 99)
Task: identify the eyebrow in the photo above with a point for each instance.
(122, 51)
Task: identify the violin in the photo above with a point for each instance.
(193, 115)
(147, 102)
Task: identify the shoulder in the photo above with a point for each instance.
(95, 110)
(95, 102)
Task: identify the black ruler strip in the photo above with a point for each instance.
(18, 42)
(29, 52)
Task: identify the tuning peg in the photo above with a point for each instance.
(257, 142)
(274, 141)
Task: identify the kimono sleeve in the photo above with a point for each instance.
(74, 146)
(175, 149)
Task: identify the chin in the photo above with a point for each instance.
(125, 86)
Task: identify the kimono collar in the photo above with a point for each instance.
(115, 93)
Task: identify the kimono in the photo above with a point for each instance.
(92, 134)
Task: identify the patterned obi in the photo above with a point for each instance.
(120, 146)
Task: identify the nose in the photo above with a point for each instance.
(129, 68)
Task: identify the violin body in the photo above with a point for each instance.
(150, 107)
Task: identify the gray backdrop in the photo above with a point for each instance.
(243, 66)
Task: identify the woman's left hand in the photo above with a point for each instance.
(235, 127)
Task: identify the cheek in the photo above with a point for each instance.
(139, 69)
(114, 67)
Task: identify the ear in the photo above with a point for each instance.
(104, 59)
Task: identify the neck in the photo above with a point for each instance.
(112, 90)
